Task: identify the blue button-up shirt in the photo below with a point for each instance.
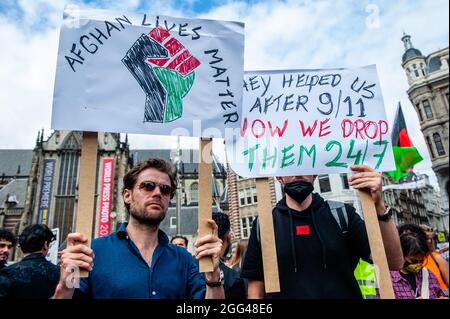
(120, 271)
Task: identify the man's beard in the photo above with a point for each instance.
(146, 218)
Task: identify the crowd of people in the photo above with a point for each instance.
(320, 245)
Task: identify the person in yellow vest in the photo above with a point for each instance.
(365, 275)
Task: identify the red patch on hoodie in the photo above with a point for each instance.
(302, 230)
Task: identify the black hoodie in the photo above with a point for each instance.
(315, 259)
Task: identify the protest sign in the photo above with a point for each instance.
(143, 73)
(308, 122)
(377, 250)
(86, 193)
(311, 122)
(204, 205)
(267, 236)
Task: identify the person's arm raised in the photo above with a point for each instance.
(210, 246)
(74, 257)
(255, 289)
(366, 177)
(443, 266)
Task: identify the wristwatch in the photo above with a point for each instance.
(215, 283)
(386, 216)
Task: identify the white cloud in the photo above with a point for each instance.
(290, 35)
(27, 76)
(279, 35)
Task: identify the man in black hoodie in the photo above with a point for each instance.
(316, 258)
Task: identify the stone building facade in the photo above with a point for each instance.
(428, 79)
(52, 188)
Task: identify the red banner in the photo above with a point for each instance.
(104, 225)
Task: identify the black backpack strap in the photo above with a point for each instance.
(340, 214)
(258, 234)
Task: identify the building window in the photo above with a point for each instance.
(438, 142)
(194, 192)
(246, 226)
(427, 108)
(415, 70)
(324, 183)
(247, 196)
(67, 187)
(255, 197)
(344, 180)
(430, 147)
(419, 112)
(241, 197)
(173, 222)
(422, 69)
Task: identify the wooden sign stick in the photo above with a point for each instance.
(205, 197)
(382, 274)
(269, 252)
(86, 188)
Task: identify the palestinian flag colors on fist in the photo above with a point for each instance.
(165, 70)
(405, 154)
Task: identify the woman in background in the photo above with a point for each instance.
(414, 281)
(236, 259)
(434, 261)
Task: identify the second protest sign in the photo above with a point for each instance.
(311, 122)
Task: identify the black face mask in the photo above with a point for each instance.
(299, 190)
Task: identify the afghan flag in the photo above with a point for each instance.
(405, 154)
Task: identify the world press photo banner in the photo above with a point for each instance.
(46, 190)
(302, 122)
(147, 73)
(106, 196)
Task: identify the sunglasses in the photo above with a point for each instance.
(150, 186)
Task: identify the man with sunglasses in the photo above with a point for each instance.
(137, 261)
(7, 242)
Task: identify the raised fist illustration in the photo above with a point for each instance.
(164, 68)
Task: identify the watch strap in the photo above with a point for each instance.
(386, 216)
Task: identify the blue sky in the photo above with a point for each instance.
(279, 35)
